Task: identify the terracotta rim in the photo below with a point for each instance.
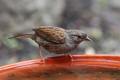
(104, 61)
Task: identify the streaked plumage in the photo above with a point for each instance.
(55, 39)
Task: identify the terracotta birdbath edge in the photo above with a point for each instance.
(31, 68)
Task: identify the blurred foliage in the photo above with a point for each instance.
(11, 43)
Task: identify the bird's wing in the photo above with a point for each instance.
(51, 34)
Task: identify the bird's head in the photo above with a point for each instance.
(79, 36)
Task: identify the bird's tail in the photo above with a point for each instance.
(22, 36)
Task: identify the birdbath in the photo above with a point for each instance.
(66, 67)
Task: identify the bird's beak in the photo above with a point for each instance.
(88, 39)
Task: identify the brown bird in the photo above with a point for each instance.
(55, 39)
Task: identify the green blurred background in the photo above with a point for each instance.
(99, 18)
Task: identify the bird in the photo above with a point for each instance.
(56, 39)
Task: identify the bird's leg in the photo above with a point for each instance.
(40, 49)
(37, 40)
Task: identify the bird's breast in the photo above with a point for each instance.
(59, 48)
